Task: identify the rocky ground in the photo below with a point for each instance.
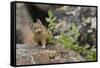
(34, 54)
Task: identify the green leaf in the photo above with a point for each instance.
(50, 13)
(93, 50)
(48, 19)
(73, 26)
(86, 46)
(54, 19)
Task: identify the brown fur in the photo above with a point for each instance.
(40, 33)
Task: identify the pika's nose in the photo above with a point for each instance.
(39, 31)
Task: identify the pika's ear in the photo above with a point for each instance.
(39, 21)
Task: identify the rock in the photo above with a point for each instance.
(33, 54)
(23, 31)
(93, 22)
(23, 57)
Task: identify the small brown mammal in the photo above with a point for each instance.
(40, 33)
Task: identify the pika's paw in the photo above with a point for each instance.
(43, 46)
(35, 43)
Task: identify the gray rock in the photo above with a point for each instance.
(26, 54)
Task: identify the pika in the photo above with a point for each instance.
(40, 33)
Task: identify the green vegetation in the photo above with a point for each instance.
(51, 20)
(69, 39)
